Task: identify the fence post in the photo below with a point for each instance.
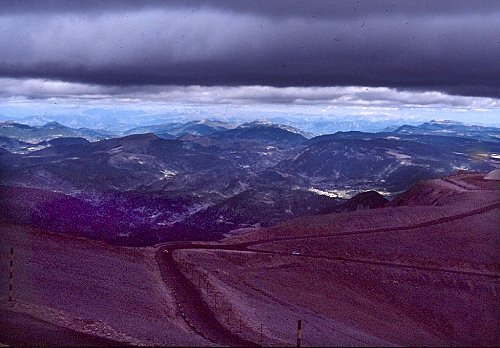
(11, 271)
(299, 332)
(261, 336)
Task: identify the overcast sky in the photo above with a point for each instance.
(322, 54)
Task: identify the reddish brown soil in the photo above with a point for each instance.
(403, 275)
(90, 287)
(423, 271)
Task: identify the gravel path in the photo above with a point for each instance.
(197, 313)
(193, 309)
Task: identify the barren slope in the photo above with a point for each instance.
(91, 287)
(401, 275)
(422, 271)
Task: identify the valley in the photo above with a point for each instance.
(231, 236)
(218, 173)
(209, 179)
(425, 281)
(418, 270)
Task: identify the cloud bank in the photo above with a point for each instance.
(433, 47)
(327, 96)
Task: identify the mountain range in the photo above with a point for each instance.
(203, 179)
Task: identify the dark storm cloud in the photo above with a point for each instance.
(451, 46)
(272, 8)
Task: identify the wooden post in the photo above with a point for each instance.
(261, 336)
(299, 332)
(11, 271)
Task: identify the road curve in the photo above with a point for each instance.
(193, 308)
(428, 223)
(201, 319)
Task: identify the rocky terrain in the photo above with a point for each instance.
(450, 128)
(422, 270)
(88, 287)
(418, 272)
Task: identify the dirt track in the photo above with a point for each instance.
(384, 229)
(193, 309)
(198, 314)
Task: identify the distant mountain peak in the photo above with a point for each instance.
(444, 122)
(53, 124)
(268, 124)
(451, 128)
(143, 136)
(10, 124)
(257, 123)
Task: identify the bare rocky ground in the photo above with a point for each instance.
(19, 329)
(423, 271)
(403, 275)
(90, 287)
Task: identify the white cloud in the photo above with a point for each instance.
(326, 97)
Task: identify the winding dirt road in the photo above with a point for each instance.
(202, 320)
(191, 305)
